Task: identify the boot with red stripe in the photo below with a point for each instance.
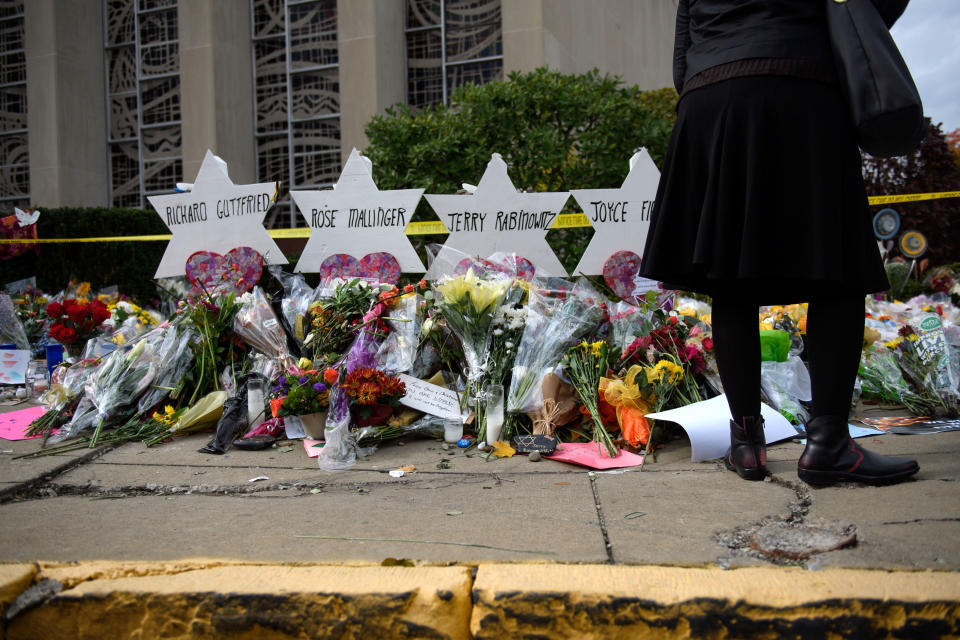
(831, 455)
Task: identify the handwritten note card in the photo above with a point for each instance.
(430, 398)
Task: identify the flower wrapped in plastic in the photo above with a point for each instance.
(335, 316)
(559, 314)
(468, 304)
(11, 330)
(66, 387)
(295, 305)
(398, 353)
(257, 325)
(174, 357)
(122, 378)
(625, 321)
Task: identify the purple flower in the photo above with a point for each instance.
(283, 380)
(304, 379)
(319, 387)
(279, 388)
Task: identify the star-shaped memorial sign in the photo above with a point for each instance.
(497, 217)
(356, 218)
(621, 217)
(217, 216)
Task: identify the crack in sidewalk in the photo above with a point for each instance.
(603, 525)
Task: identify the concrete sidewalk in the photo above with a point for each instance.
(461, 517)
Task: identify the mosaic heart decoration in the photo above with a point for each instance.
(619, 271)
(380, 266)
(240, 269)
(339, 265)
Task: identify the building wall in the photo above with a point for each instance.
(66, 114)
(67, 119)
(631, 39)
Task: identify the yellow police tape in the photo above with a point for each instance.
(563, 221)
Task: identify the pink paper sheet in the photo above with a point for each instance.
(312, 451)
(14, 423)
(586, 454)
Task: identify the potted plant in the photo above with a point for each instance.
(306, 396)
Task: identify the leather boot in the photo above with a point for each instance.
(747, 454)
(831, 455)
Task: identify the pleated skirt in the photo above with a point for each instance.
(762, 192)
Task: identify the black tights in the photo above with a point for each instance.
(834, 342)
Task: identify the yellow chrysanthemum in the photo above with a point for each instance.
(893, 344)
(913, 337)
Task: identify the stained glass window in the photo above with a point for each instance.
(297, 94)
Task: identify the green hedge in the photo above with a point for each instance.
(129, 265)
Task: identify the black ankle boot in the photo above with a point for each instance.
(831, 455)
(747, 454)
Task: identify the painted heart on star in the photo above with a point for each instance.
(240, 269)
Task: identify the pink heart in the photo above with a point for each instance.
(380, 266)
(239, 270)
(619, 271)
(339, 265)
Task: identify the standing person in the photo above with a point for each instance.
(761, 201)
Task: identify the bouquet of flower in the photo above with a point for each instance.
(625, 322)
(399, 351)
(468, 304)
(73, 322)
(66, 386)
(216, 347)
(125, 313)
(257, 324)
(174, 357)
(30, 306)
(585, 364)
(120, 381)
(558, 316)
(373, 395)
(304, 393)
(928, 369)
(335, 318)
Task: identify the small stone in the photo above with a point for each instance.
(445, 446)
(152, 486)
(534, 456)
(800, 541)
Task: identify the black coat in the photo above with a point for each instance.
(713, 32)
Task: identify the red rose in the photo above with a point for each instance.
(708, 344)
(330, 376)
(54, 309)
(67, 336)
(100, 312)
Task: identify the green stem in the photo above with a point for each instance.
(96, 433)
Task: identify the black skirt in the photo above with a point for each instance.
(762, 192)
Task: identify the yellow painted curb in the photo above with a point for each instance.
(218, 598)
(586, 602)
(259, 602)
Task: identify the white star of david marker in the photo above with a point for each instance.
(620, 217)
(497, 217)
(217, 215)
(356, 218)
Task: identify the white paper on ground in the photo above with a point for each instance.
(707, 425)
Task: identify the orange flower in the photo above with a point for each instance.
(330, 376)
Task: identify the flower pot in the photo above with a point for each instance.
(314, 424)
(378, 415)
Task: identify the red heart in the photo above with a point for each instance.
(239, 270)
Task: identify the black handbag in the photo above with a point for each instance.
(884, 102)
